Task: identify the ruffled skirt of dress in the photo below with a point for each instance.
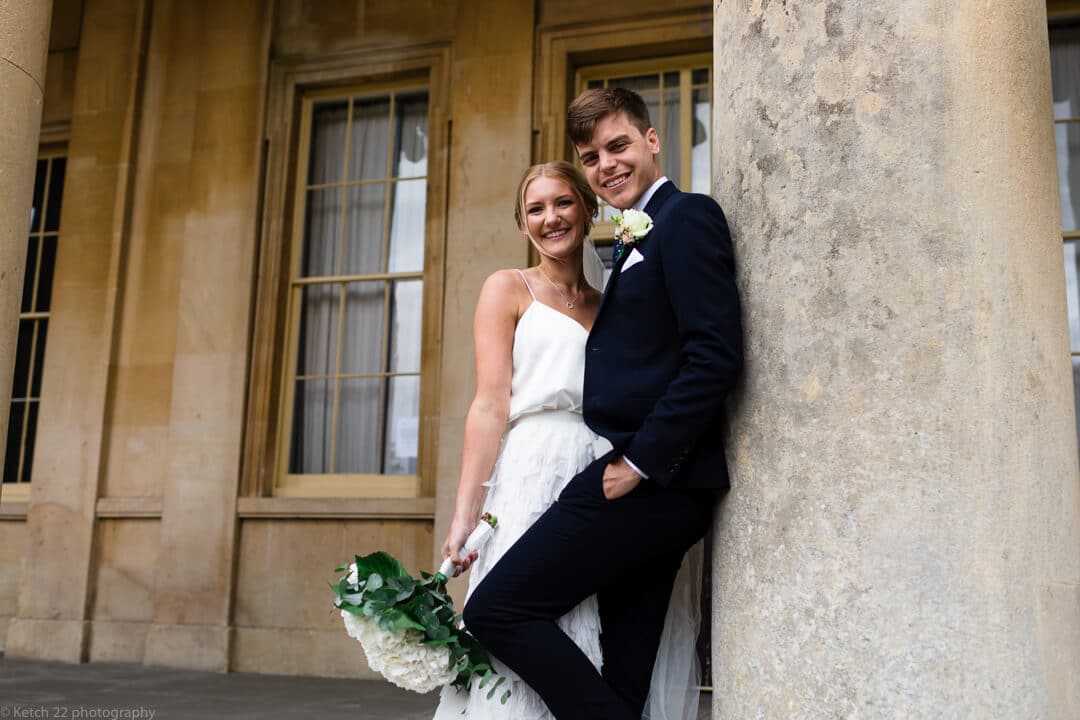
(540, 454)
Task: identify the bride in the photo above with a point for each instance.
(525, 437)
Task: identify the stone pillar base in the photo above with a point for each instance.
(192, 647)
(60, 640)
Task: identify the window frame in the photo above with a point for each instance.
(19, 491)
(268, 414)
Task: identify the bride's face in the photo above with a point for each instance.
(554, 217)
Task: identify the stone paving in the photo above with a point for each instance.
(108, 691)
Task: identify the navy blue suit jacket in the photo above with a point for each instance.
(666, 346)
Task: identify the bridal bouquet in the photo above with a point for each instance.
(408, 627)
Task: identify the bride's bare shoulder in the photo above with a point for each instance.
(505, 284)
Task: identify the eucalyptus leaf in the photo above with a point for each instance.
(380, 563)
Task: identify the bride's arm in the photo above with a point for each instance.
(497, 313)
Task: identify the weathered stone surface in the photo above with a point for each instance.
(901, 539)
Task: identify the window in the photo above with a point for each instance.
(350, 419)
(677, 90)
(33, 325)
(1065, 80)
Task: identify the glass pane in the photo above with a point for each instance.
(671, 80)
(309, 448)
(700, 77)
(410, 135)
(48, 269)
(22, 359)
(656, 118)
(31, 437)
(317, 351)
(700, 152)
(14, 441)
(365, 308)
(56, 194)
(407, 226)
(326, 164)
(364, 229)
(1067, 138)
(358, 430)
(670, 138)
(1072, 292)
(39, 195)
(322, 233)
(1065, 70)
(39, 357)
(406, 322)
(595, 84)
(370, 137)
(28, 274)
(403, 426)
(638, 83)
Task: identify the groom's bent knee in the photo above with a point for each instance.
(481, 614)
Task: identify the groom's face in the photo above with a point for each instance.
(620, 161)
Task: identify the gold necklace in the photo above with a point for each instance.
(572, 300)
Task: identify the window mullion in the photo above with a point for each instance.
(686, 129)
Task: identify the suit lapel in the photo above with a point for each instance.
(651, 208)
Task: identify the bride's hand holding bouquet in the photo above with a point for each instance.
(407, 626)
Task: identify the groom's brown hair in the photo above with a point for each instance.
(592, 106)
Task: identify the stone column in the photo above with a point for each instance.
(55, 585)
(194, 581)
(903, 535)
(24, 46)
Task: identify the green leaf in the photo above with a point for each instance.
(487, 678)
(491, 692)
(505, 697)
(393, 619)
(380, 563)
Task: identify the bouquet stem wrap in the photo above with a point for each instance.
(477, 538)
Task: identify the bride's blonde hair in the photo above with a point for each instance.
(574, 179)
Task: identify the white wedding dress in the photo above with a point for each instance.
(545, 445)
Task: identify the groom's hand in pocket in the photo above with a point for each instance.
(619, 479)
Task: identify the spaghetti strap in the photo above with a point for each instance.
(526, 281)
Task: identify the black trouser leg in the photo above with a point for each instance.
(585, 544)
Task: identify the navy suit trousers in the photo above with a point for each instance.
(625, 551)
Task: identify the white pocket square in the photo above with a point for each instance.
(631, 260)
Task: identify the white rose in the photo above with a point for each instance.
(635, 223)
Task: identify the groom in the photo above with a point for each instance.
(664, 352)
